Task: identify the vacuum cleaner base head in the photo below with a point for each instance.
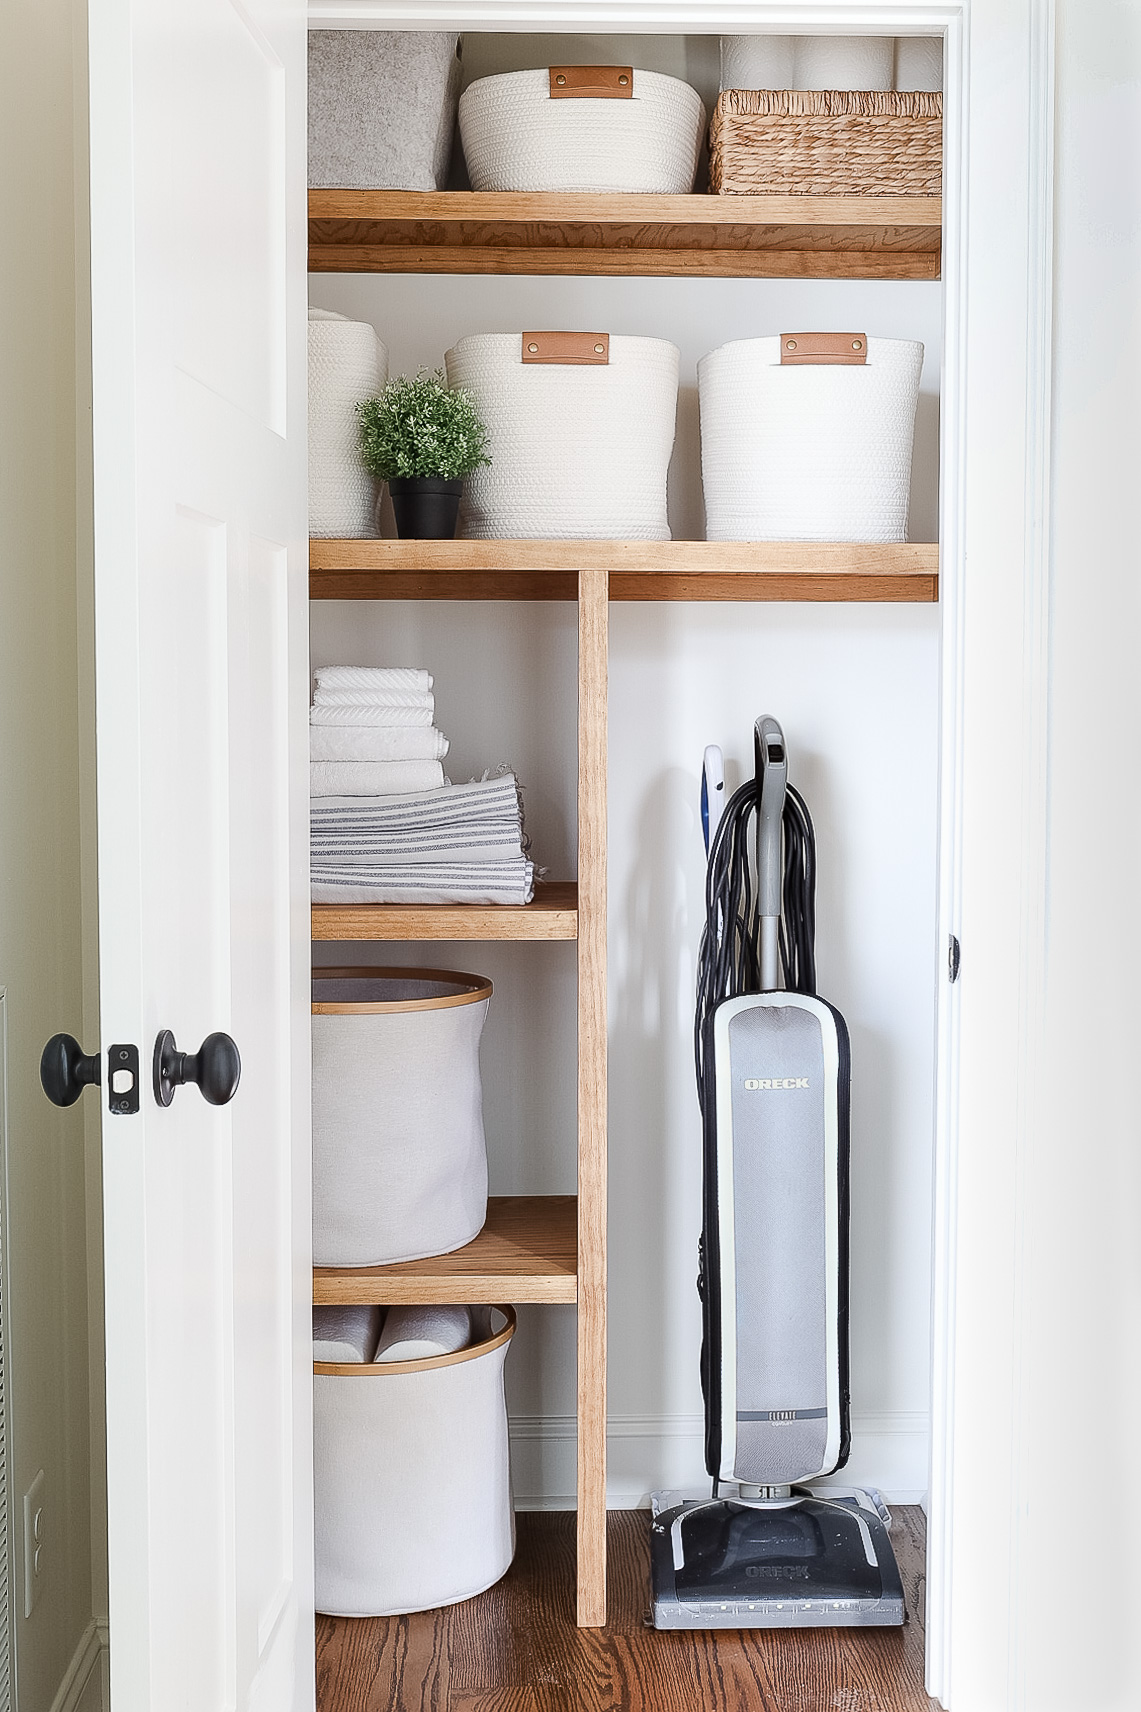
(815, 1560)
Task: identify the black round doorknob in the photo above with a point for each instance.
(65, 1070)
(216, 1067)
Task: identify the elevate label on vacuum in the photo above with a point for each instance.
(776, 1081)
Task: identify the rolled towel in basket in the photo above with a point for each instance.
(413, 1333)
(357, 713)
(345, 1333)
(373, 778)
(373, 678)
(376, 743)
(844, 62)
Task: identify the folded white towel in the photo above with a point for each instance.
(480, 800)
(332, 697)
(373, 678)
(413, 1333)
(373, 778)
(426, 883)
(345, 1333)
(356, 714)
(376, 743)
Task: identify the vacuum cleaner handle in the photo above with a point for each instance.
(772, 781)
(712, 792)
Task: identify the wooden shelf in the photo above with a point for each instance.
(526, 1252)
(639, 570)
(757, 237)
(552, 915)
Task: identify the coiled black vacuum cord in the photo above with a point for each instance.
(728, 961)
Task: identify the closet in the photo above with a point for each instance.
(598, 671)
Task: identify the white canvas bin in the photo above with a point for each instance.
(382, 108)
(347, 364)
(524, 130)
(412, 1484)
(399, 1160)
(580, 432)
(812, 448)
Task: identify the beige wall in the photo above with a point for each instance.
(42, 522)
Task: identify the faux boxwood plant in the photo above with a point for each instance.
(421, 428)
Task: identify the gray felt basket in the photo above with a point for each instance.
(382, 108)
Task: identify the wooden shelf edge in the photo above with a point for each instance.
(639, 570)
(526, 1252)
(553, 915)
(623, 207)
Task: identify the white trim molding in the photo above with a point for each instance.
(646, 1453)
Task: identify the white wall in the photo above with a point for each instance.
(857, 690)
(40, 869)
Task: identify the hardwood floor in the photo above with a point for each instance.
(516, 1649)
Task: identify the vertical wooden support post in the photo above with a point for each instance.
(593, 625)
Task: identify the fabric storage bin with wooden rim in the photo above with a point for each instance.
(382, 108)
(411, 1478)
(399, 1158)
(808, 437)
(347, 364)
(826, 142)
(582, 127)
(580, 432)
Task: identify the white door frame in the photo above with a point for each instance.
(997, 273)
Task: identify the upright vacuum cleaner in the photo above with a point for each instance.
(773, 1081)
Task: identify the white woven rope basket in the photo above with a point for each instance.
(517, 137)
(576, 452)
(347, 363)
(807, 453)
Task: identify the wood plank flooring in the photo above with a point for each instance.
(516, 1649)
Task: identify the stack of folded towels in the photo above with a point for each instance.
(386, 825)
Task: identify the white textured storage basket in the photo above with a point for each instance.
(382, 108)
(806, 452)
(399, 1160)
(412, 1486)
(347, 364)
(578, 449)
(517, 136)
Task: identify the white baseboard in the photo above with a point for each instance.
(646, 1452)
(84, 1685)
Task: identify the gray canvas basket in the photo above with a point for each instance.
(411, 1477)
(382, 108)
(399, 1159)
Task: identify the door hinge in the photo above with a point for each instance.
(954, 956)
(123, 1080)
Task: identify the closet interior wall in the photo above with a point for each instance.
(856, 687)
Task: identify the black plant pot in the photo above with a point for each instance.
(426, 509)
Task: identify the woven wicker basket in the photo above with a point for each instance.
(829, 142)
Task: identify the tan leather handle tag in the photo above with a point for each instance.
(823, 348)
(597, 82)
(566, 348)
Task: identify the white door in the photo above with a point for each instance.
(198, 282)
